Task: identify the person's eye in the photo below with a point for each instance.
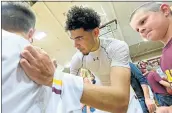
(80, 38)
(143, 22)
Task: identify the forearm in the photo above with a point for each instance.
(165, 83)
(170, 108)
(145, 73)
(112, 99)
(145, 91)
(108, 98)
(164, 109)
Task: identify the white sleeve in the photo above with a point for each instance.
(76, 64)
(119, 54)
(70, 89)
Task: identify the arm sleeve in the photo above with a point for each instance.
(138, 74)
(119, 54)
(76, 64)
(69, 88)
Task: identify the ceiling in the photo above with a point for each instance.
(51, 18)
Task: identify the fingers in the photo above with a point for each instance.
(37, 65)
(25, 65)
(151, 108)
(154, 109)
(28, 56)
(40, 50)
(32, 51)
(28, 69)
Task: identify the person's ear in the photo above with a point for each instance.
(165, 9)
(96, 32)
(30, 35)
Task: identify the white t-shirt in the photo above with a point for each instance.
(160, 72)
(22, 95)
(111, 53)
(19, 93)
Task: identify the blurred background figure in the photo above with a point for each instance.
(140, 86)
(89, 79)
(158, 86)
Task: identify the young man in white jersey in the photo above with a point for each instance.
(107, 58)
(99, 55)
(19, 93)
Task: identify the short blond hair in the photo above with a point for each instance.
(148, 6)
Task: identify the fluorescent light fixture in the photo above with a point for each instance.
(40, 35)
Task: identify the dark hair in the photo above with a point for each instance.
(82, 17)
(17, 16)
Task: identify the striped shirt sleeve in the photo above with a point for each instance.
(70, 89)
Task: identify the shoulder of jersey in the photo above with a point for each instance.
(7, 36)
(106, 42)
